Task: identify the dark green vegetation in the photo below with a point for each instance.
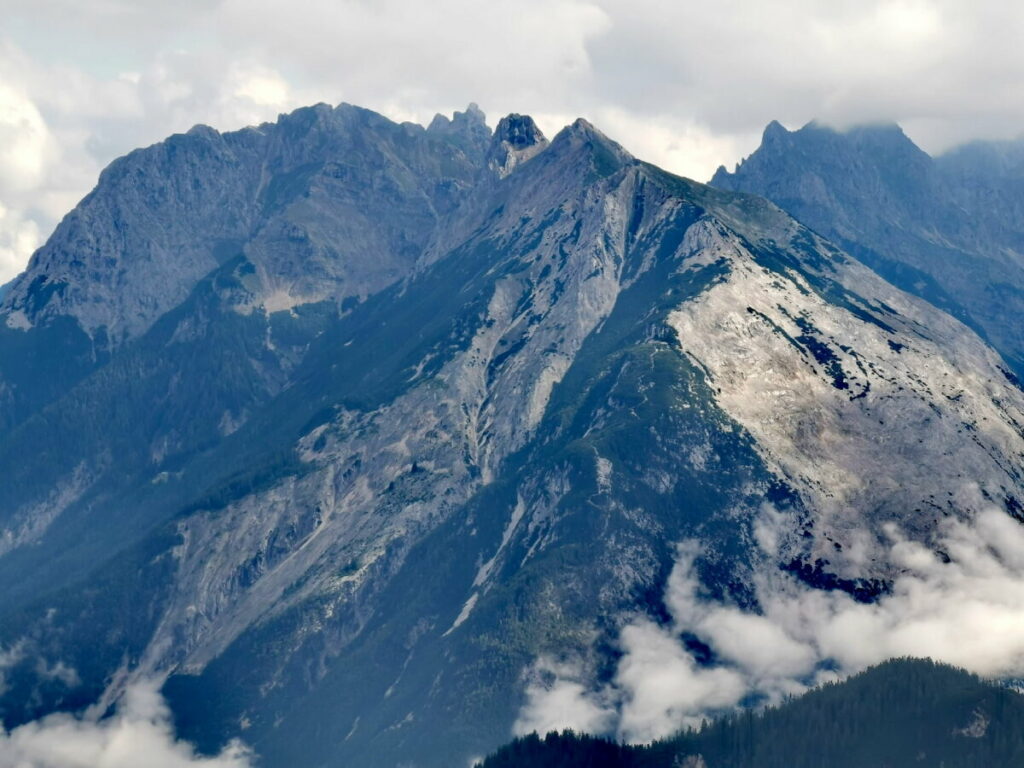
(907, 713)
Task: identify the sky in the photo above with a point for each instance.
(688, 85)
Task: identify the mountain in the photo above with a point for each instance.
(902, 714)
(949, 229)
(341, 428)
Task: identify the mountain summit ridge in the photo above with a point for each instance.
(932, 226)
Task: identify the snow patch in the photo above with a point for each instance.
(467, 609)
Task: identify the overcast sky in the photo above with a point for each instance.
(686, 84)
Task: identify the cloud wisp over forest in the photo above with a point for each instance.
(964, 610)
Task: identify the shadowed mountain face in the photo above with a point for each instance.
(337, 426)
(948, 229)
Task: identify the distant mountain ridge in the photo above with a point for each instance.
(338, 427)
(949, 229)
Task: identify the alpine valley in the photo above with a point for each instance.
(363, 439)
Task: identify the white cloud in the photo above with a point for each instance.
(139, 733)
(557, 699)
(261, 86)
(19, 237)
(662, 688)
(965, 607)
(421, 57)
(673, 141)
(27, 150)
(24, 141)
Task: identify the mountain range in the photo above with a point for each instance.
(365, 439)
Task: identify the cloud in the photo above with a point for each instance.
(662, 688)
(25, 141)
(139, 733)
(961, 602)
(557, 699)
(26, 152)
(19, 237)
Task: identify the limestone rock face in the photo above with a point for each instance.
(365, 418)
(949, 229)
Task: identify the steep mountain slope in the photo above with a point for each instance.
(189, 284)
(345, 530)
(949, 229)
(901, 714)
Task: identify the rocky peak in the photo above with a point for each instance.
(601, 154)
(202, 130)
(436, 406)
(876, 155)
(884, 133)
(163, 217)
(584, 129)
(473, 117)
(308, 120)
(774, 131)
(519, 131)
(516, 140)
(467, 130)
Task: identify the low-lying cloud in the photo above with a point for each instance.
(555, 694)
(139, 734)
(964, 606)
